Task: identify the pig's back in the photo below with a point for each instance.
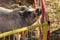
(4, 10)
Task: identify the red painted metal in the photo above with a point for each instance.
(45, 10)
(41, 34)
(48, 35)
(46, 16)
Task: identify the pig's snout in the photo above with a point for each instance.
(38, 12)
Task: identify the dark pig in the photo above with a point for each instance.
(19, 18)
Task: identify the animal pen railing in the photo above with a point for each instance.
(42, 33)
(26, 29)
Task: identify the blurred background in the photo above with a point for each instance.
(53, 7)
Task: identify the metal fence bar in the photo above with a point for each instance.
(45, 31)
(18, 30)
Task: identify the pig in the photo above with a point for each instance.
(19, 18)
(5, 10)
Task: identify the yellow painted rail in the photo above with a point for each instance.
(19, 30)
(45, 31)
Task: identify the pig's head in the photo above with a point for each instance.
(30, 15)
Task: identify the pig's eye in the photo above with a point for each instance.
(29, 12)
(26, 13)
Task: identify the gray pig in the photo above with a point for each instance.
(19, 18)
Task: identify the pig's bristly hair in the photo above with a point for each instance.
(5, 10)
(25, 11)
